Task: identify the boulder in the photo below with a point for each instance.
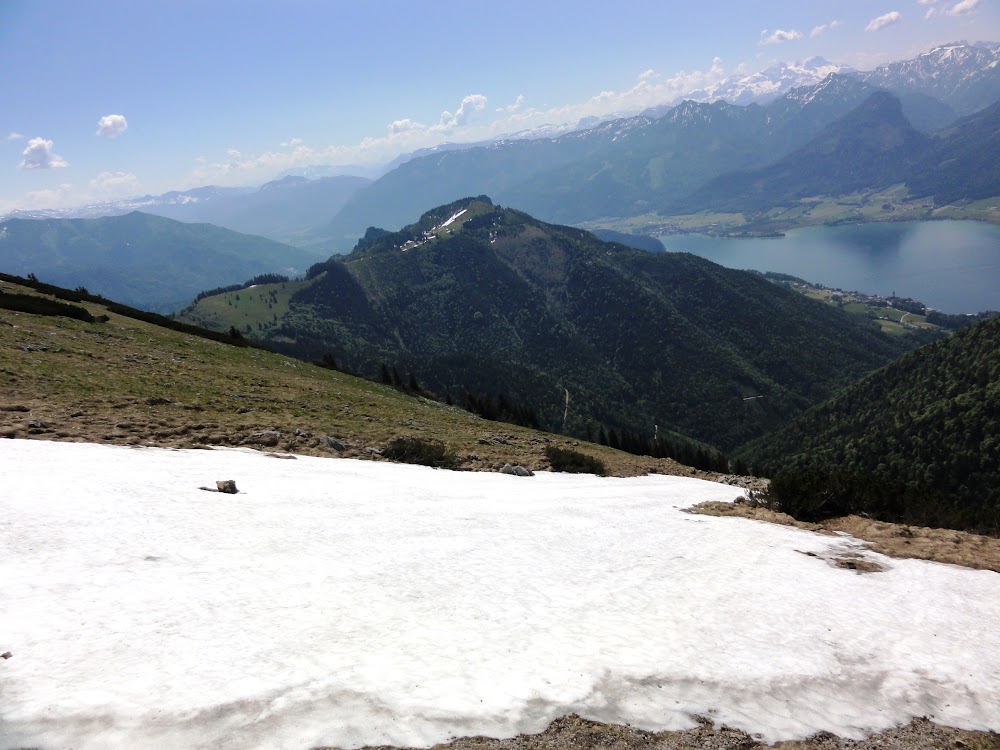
(227, 485)
(333, 443)
(516, 471)
(268, 438)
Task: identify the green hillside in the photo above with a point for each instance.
(76, 368)
(499, 303)
(926, 427)
(142, 260)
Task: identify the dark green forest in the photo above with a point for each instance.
(641, 343)
(918, 441)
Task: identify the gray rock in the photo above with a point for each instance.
(227, 485)
(6, 655)
(332, 443)
(517, 471)
(267, 438)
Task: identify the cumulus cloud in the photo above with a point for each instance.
(114, 185)
(471, 103)
(111, 126)
(884, 20)
(963, 7)
(14, 136)
(823, 28)
(518, 103)
(39, 155)
(407, 134)
(779, 36)
(406, 125)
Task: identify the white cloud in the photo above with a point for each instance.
(291, 143)
(58, 197)
(111, 126)
(407, 134)
(406, 125)
(823, 28)
(779, 36)
(647, 74)
(518, 103)
(114, 185)
(471, 103)
(884, 20)
(931, 12)
(39, 155)
(14, 136)
(963, 7)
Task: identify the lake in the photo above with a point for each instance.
(953, 266)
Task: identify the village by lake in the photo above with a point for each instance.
(952, 266)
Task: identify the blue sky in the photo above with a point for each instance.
(112, 99)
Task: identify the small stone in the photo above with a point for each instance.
(6, 655)
(227, 485)
(473, 456)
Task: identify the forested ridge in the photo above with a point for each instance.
(926, 429)
(649, 343)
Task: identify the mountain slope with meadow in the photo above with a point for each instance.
(476, 298)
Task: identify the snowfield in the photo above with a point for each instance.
(340, 602)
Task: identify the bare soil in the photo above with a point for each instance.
(575, 733)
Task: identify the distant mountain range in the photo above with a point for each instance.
(478, 299)
(282, 210)
(874, 146)
(145, 261)
(647, 164)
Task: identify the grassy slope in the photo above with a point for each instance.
(129, 382)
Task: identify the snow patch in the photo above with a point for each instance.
(341, 602)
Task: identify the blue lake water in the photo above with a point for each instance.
(953, 266)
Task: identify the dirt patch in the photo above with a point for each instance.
(575, 733)
(889, 539)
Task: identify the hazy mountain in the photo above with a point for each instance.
(965, 77)
(281, 210)
(873, 146)
(478, 298)
(620, 168)
(146, 261)
(963, 162)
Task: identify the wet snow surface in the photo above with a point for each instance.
(346, 603)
